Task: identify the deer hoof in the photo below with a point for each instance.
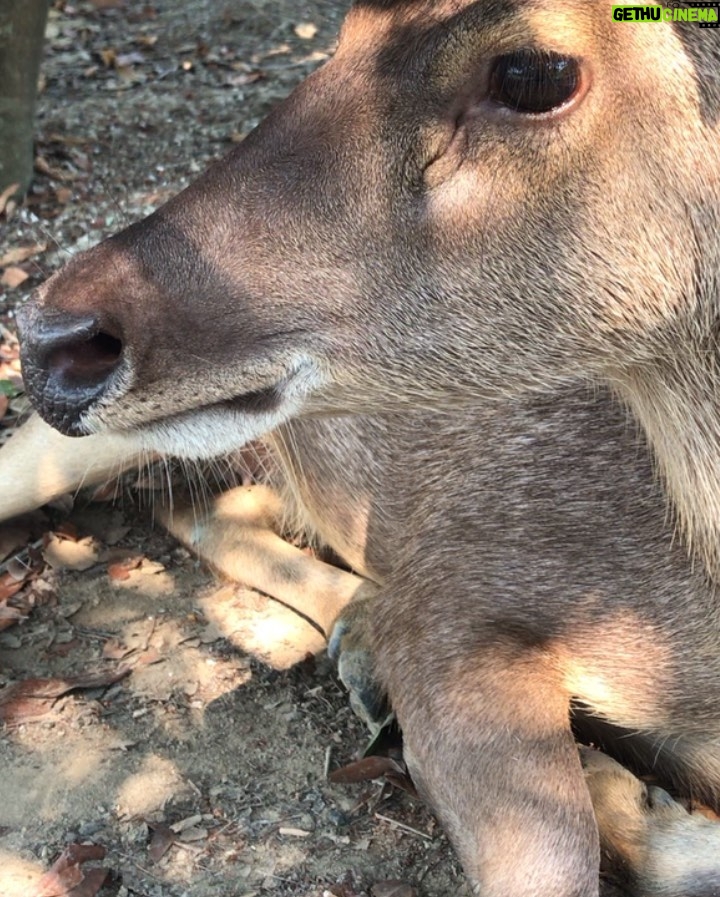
(350, 647)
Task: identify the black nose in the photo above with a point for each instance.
(68, 363)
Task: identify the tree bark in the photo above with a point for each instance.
(22, 27)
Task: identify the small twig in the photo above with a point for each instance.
(194, 787)
(285, 881)
(98, 635)
(405, 828)
(133, 862)
(150, 633)
(190, 847)
(224, 828)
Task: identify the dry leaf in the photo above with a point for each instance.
(150, 657)
(375, 767)
(57, 882)
(162, 840)
(92, 881)
(63, 554)
(44, 167)
(108, 57)
(21, 254)
(402, 781)
(13, 277)
(63, 195)
(9, 616)
(113, 649)
(120, 570)
(10, 585)
(67, 530)
(5, 196)
(366, 769)
(64, 649)
(35, 697)
(65, 878)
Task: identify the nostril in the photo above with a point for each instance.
(74, 352)
(69, 363)
(66, 353)
(84, 362)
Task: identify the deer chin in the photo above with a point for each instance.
(216, 429)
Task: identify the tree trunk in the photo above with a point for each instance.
(22, 27)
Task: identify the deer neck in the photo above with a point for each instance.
(677, 402)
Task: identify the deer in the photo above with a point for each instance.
(462, 283)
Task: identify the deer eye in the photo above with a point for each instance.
(534, 82)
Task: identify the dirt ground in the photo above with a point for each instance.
(195, 723)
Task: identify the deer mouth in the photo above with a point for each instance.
(219, 428)
(258, 401)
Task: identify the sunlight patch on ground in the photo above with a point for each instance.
(17, 876)
(262, 627)
(150, 788)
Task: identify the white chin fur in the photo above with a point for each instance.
(214, 431)
(211, 432)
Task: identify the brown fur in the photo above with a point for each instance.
(414, 288)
